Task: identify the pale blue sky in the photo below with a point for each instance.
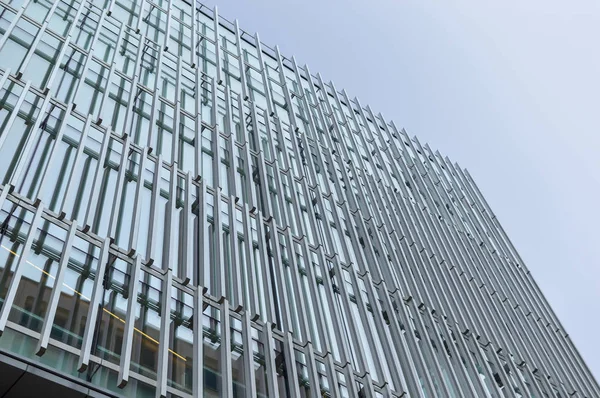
(510, 90)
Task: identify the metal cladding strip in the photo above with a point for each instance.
(88, 59)
(217, 271)
(235, 274)
(20, 269)
(127, 346)
(458, 290)
(313, 374)
(170, 258)
(16, 179)
(270, 360)
(176, 135)
(66, 207)
(541, 304)
(114, 216)
(91, 213)
(226, 376)
(164, 336)
(284, 318)
(139, 186)
(244, 93)
(9, 30)
(152, 130)
(168, 28)
(14, 113)
(48, 321)
(94, 307)
(5, 75)
(492, 271)
(138, 25)
(133, 93)
(6, 189)
(267, 280)
(49, 83)
(290, 364)
(249, 269)
(291, 274)
(188, 247)
(250, 195)
(154, 221)
(109, 80)
(198, 356)
(484, 313)
(203, 255)
(249, 364)
(217, 27)
(264, 76)
(409, 368)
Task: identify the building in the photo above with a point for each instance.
(184, 211)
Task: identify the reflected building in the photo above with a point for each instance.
(186, 212)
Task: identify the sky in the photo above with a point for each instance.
(510, 90)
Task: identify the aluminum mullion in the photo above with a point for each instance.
(266, 275)
(164, 336)
(129, 111)
(407, 366)
(15, 112)
(219, 77)
(198, 344)
(188, 246)
(341, 339)
(90, 216)
(249, 267)
(175, 155)
(321, 327)
(155, 100)
(4, 76)
(6, 189)
(300, 307)
(249, 372)
(135, 225)
(251, 198)
(67, 202)
(127, 345)
(270, 360)
(153, 222)
(231, 146)
(276, 267)
(88, 59)
(31, 138)
(10, 28)
(52, 306)
(168, 27)
(244, 84)
(226, 374)
(94, 308)
(387, 346)
(263, 73)
(109, 79)
(170, 254)
(236, 275)
(416, 353)
(217, 265)
(194, 34)
(19, 270)
(64, 48)
(114, 215)
(290, 364)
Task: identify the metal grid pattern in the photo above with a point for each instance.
(281, 239)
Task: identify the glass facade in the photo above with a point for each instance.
(186, 212)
